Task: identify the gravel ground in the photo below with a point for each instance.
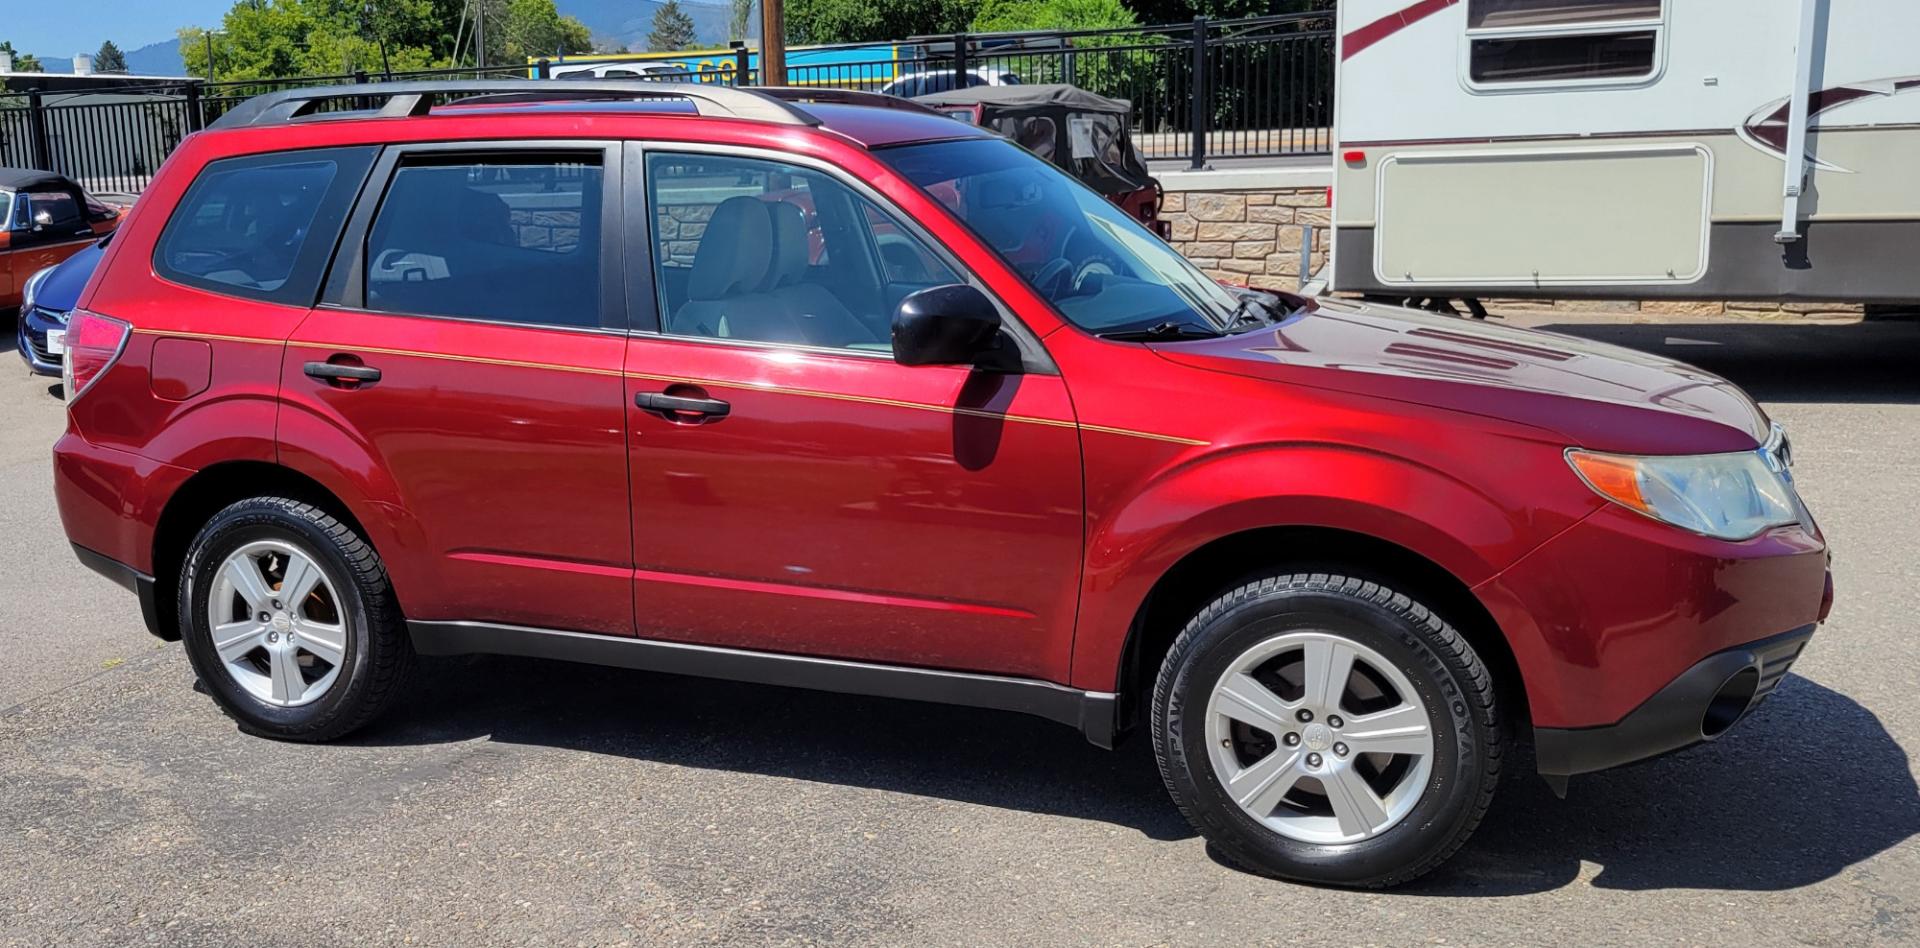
(523, 802)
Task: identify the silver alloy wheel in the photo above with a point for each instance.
(1320, 738)
(277, 623)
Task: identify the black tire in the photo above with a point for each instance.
(1451, 680)
(378, 653)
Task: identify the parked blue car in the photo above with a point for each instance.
(47, 300)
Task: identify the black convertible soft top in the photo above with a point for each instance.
(26, 179)
(1084, 133)
(1072, 98)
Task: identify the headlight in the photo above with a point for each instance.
(1727, 496)
(32, 289)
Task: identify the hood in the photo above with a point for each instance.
(1591, 394)
(60, 291)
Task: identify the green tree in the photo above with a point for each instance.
(109, 58)
(1126, 73)
(1157, 12)
(868, 21)
(1010, 16)
(535, 28)
(272, 39)
(22, 62)
(740, 23)
(672, 29)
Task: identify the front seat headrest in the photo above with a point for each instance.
(735, 251)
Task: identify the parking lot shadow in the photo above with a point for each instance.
(1807, 787)
(990, 758)
(1846, 362)
(1810, 785)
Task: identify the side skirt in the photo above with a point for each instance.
(1094, 713)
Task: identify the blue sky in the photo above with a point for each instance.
(64, 27)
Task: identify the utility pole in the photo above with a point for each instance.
(773, 44)
(208, 34)
(480, 34)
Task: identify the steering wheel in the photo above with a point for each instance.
(1096, 267)
(1052, 278)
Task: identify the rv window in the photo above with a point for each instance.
(1555, 58)
(1512, 14)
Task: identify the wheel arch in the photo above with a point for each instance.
(206, 493)
(1227, 561)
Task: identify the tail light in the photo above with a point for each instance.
(94, 343)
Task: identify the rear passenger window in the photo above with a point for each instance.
(502, 240)
(773, 252)
(263, 226)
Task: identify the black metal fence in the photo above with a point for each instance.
(1258, 87)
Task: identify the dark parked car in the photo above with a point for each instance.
(47, 301)
(1089, 136)
(575, 378)
(44, 219)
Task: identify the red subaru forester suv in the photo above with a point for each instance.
(821, 389)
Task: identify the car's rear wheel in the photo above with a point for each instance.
(1327, 729)
(289, 620)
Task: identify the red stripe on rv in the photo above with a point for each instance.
(1390, 24)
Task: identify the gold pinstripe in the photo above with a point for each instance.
(687, 380)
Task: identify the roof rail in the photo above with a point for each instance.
(842, 97)
(410, 99)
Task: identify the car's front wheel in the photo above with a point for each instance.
(1327, 729)
(289, 620)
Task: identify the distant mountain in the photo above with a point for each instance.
(626, 23)
(157, 59)
(154, 59)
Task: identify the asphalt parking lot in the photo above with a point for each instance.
(522, 802)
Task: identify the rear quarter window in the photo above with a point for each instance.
(262, 226)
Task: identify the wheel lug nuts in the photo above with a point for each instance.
(1292, 739)
(1226, 742)
(276, 603)
(1303, 716)
(1313, 760)
(1333, 721)
(1339, 750)
(266, 617)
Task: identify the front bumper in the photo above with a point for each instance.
(33, 325)
(1618, 606)
(1704, 702)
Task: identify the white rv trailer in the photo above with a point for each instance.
(1632, 149)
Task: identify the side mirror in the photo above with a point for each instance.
(945, 325)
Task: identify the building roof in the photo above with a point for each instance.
(97, 82)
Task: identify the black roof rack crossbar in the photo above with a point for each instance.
(417, 98)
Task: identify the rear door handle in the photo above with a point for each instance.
(336, 372)
(667, 406)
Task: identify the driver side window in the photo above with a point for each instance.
(767, 251)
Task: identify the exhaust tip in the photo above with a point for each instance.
(1730, 703)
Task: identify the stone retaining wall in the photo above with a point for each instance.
(1250, 237)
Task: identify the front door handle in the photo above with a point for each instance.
(668, 406)
(339, 372)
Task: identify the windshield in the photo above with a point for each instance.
(1103, 271)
